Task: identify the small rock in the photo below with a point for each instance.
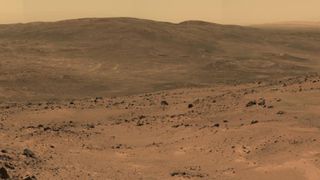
(118, 146)
(90, 126)
(216, 125)
(40, 126)
(28, 153)
(190, 106)
(97, 99)
(280, 112)
(254, 122)
(46, 128)
(30, 178)
(9, 165)
(4, 173)
(175, 126)
(164, 103)
(178, 173)
(251, 103)
(140, 123)
(262, 102)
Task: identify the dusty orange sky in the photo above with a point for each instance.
(220, 11)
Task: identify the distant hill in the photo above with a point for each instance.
(122, 56)
(293, 25)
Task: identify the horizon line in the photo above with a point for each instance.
(297, 22)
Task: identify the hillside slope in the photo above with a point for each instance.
(121, 56)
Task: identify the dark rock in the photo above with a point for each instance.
(46, 128)
(190, 106)
(40, 126)
(4, 173)
(262, 102)
(9, 165)
(97, 99)
(5, 157)
(140, 123)
(30, 178)
(118, 146)
(188, 175)
(251, 103)
(176, 126)
(90, 126)
(28, 153)
(178, 173)
(254, 122)
(164, 103)
(216, 125)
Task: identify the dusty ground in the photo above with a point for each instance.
(248, 131)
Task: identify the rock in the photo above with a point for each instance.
(30, 178)
(4, 173)
(254, 122)
(9, 165)
(280, 112)
(178, 173)
(46, 128)
(140, 123)
(164, 103)
(262, 102)
(190, 106)
(97, 99)
(118, 146)
(5, 157)
(28, 153)
(175, 126)
(251, 103)
(216, 125)
(90, 126)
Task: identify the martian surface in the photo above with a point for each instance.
(124, 98)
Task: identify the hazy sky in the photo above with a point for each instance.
(220, 11)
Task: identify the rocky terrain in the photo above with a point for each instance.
(261, 130)
(124, 98)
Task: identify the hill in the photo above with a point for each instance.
(122, 56)
(292, 25)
